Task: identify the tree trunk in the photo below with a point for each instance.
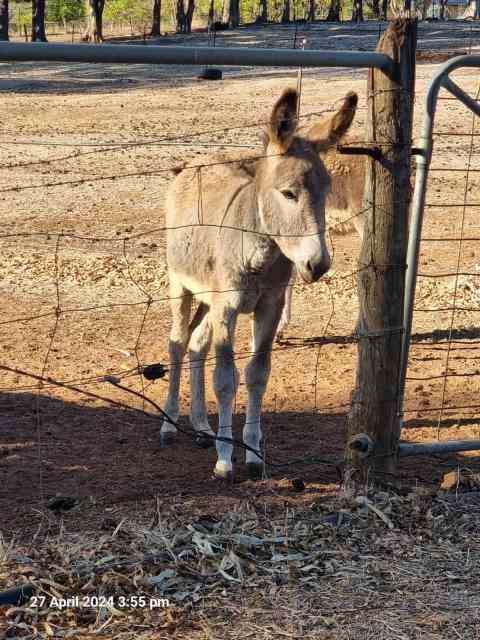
(376, 9)
(184, 18)
(334, 11)
(374, 417)
(94, 30)
(180, 16)
(311, 11)
(357, 15)
(407, 7)
(443, 6)
(286, 12)
(384, 9)
(189, 16)
(3, 19)
(263, 16)
(156, 18)
(234, 17)
(226, 12)
(38, 21)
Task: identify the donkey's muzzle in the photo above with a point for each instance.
(313, 269)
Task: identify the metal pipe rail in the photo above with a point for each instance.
(364, 446)
(433, 448)
(159, 54)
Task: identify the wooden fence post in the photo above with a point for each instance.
(382, 259)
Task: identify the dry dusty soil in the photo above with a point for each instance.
(85, 159)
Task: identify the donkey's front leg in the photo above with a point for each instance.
(266, 318)
(225, 380)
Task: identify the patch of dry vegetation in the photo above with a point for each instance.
(383, 566)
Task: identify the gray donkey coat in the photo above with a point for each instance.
(235, 232)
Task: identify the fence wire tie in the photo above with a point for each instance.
(372, 94)
(378, 333)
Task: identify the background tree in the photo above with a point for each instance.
(3, 19)
(384, 9)
(286, 12)
(443, 6)
(334, 11)
(311, 11)
(225, 11)
(374, 6)
(156, 17)
(63, 10)
(38, 21)
(263, 14)
(184, 18)
(357, 14)
(95, 20)
(231, 13)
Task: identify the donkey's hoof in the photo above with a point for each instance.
(204, 440)
(254, 470)
(167, 438)
(223, 473)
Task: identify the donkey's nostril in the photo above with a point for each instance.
(313, 269)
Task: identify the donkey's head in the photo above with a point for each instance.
(292, 183)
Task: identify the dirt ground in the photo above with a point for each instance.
(84, 157)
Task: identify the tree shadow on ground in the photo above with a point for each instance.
(107, 455)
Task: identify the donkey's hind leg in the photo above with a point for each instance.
(181, 302)
(199, 347)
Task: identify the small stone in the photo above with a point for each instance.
(62, 503)
(298, 484)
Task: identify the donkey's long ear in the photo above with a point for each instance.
(331, 131)
(283, 121)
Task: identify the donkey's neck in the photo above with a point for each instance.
(259, 250)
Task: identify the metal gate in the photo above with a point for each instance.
(423, 155)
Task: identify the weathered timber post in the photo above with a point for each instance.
(381, 266)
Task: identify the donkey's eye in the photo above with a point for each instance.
(288, 194)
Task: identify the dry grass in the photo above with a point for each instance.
(383, 567)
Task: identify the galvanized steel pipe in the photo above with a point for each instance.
(162, 54)
(432, 448)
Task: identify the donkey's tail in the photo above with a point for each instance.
(200, 313)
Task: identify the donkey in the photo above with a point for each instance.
(343, 210)
(235, 232)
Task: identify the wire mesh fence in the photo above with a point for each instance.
(83, 287)
(85, 296)
(448, 284)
